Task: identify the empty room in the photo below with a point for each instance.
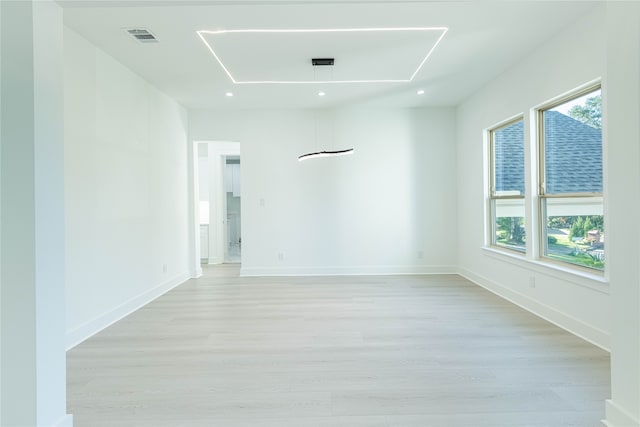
(319, 213)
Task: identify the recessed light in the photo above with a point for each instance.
(229, 94)
(321, 93)
(421, 92)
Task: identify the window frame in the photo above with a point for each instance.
(493, 197)
(542, 196)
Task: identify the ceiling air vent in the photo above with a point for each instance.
(321, 61)
(142, 35)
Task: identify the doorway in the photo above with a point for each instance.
(217, 202)
(233, 252)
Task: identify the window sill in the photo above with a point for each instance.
(585, 279)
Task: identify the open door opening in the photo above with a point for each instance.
(218, 202)
(233, 252)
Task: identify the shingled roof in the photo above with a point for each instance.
(573, 159)
(509, 158)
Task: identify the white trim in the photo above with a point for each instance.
(347, 271)
(92, 327)
(65, 421)
(618, 417)
(222, 147)
(577, 327)
(576, 92)
(593, 281)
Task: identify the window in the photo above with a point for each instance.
(570, 191)
(507, 186)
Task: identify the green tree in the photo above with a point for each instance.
(577, 229)
(512, 226)
(517, 231)
(587, 226)
(558, 222)
(598, 222)
(590, 113)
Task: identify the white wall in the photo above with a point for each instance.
(203, 175)
(389, 208)
(126, 190)
(622, 139)
(32, 374)
(561, 64)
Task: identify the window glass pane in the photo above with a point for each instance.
(508, 160)
(575, 231)
(573, 146)
(509, 224)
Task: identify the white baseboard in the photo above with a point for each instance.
(575, 326)
(346, 271)
(65, 421)
(194, 273)
(618, 417)
(92, 327)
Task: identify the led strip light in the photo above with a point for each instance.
(202, 34)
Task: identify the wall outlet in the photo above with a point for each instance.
(532, 282)
(420, 254)
(280, 256)
(164, 268)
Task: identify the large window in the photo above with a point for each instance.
(568, 224)
(507, 186)
(570, 191)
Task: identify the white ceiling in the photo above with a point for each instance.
(483, 39)
(285, 56)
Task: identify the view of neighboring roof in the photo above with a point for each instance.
(508, 154)
(573, 156)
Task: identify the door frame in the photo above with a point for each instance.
(225, 210)
(217, 152)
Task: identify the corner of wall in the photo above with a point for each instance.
(618, 417)
(101, 322)
(65, 421)
(563, 320)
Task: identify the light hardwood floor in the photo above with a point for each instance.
(335, 351)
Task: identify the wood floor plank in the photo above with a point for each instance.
(384, 351)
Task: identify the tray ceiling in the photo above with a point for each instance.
(362, 55)
(484, 38)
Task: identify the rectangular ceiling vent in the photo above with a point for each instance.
(321, 61)
(142, 35)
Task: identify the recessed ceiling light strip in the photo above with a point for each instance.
(444, 31)
(323, 30)
(307, 82)
(216, 56)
